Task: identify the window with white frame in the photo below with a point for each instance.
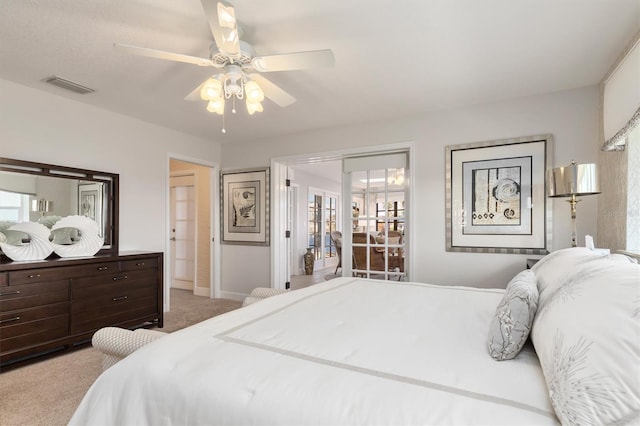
(14, 207)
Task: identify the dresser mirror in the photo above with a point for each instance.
(38, 192)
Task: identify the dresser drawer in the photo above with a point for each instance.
(31, 295)
(111, 296)
(132, 265)
(114, 313)
(35, 332)
(38, 275)
(96, 269)
(82, 286)
(12, 323)
(3, 279)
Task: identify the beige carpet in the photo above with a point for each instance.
(47, 392)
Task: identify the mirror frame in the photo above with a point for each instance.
(111, 237)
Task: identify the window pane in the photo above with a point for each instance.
(9, 199)
(9, 215)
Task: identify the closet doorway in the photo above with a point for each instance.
(192, 255)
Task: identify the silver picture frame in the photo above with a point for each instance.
(496, 196)
(245, 206)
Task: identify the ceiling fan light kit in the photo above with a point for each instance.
(225, 86)
(239, 78)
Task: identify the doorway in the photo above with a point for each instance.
(193, 253)
(312, 212)
(286, 168)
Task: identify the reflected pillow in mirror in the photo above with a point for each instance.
(64, 236)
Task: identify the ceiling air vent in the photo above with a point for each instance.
(68, 85)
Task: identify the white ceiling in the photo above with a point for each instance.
(393, 57)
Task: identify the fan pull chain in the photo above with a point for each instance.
(233, 104)
(223, 125)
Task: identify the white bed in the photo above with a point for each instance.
(347, 351)
(355, 351)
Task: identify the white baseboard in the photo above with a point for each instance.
(202, 291)
(233, 295)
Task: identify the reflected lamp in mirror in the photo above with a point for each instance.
(572, 181)
(42, 206)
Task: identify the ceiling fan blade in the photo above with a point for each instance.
(195, 94)
(273, 92)
(222, 21)
(294, 61)
(160, 54)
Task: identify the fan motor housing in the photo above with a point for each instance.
(220, 58)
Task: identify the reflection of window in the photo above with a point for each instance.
(331, 205)
(315, 224)
(322, 214)
(393, 211)
(14, 207)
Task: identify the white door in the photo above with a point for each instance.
(183, 226)
(292, 214)
(376, 195)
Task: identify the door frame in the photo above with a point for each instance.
(279, 169)
(294, 265)
(214, 222)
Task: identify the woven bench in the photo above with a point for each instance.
(260, 293)
(117, 343)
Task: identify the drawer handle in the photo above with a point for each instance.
(10, 320)
(115, 299)
(123, 277)
(102, 268)
(34, 276)
(140, 264)
(10, 292)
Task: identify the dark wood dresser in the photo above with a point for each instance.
(58, 304)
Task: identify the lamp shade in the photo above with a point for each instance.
(41, 205)
(574, 179)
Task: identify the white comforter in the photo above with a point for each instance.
(348, 351)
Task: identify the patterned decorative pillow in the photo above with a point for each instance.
(514, 315)
(587, 336)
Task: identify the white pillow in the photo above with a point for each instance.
(587, 336)
(510, 326)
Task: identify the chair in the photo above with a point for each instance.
(376, 258)
(336, 236)
(396, 254)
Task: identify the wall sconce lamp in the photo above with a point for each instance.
(43, 206)
(572, 181)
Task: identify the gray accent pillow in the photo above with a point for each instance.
(511, 324)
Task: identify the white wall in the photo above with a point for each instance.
(39, 126)
(571, 116)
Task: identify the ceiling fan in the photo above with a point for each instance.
(239, 68)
